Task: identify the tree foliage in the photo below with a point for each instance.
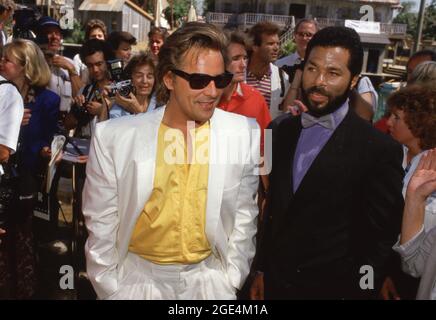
(411, 19)
(180, 10)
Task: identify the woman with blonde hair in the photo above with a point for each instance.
(23, 64)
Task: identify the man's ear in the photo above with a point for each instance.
(168, 80)
(354, 82)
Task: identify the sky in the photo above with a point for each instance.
(417, 2)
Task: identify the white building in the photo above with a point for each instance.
(333, 9)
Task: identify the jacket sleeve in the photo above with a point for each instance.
(414, 253)
(100, 208)
(241, 246)
(384, 203)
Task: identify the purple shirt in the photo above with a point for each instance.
(310, 143)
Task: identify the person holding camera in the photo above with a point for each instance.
(121, 43)
(95, 29)
(141, 70)
(91, 105)
(23, 63)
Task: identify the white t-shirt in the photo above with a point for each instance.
(364, 86)
(11, 115)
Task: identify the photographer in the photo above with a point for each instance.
(121, 43)
(141, 70)
(90, 105)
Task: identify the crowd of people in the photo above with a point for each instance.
(217, 170)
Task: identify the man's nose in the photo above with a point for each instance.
(320, 80)
(211, 89)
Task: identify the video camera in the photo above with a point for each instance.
(25, 23)
(123, 87)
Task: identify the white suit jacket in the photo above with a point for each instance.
(120, 173)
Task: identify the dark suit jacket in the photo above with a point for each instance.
(345, 214)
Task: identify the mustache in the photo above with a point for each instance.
(316, 89)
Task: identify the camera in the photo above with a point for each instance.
(25, 23)
(79, 111)
(123, 87)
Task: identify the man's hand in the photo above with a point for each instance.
(298, 108)
(257, 288)
(79, 100)
(95, 108)
(26, 117)
(62, 62)
(389, 291)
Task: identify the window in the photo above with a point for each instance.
(319, 11)
(228, 7)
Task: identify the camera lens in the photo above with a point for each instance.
(124, 91)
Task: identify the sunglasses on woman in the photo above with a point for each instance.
(200, 80)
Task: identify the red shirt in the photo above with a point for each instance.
(248, 102)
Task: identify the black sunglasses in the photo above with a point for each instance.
(200, 80)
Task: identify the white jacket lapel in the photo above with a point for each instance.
(216, 176)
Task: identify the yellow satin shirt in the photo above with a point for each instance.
(171, 227)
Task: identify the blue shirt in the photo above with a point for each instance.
(311, 142)
(117, 111)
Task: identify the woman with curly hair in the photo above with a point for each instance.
(412, 122)
(413, 119)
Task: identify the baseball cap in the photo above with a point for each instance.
(47, 21)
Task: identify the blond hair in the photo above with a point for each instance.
(29, 55)
(192, 36)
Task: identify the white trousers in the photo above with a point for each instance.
(141, 279)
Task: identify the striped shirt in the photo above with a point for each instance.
(263, 84)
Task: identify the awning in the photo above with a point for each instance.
(102, 5)
(381, 38)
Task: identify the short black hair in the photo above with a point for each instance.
(94, 45)
(116, 37)
(424, 53)
(343, 37)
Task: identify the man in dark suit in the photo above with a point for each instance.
(334, 204)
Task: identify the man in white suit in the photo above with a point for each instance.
(169, 199)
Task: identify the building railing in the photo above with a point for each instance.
(244, 20)
(388, 28)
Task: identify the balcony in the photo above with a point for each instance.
(391, 29)
(246, 20)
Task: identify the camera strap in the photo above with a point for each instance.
(9, 82)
